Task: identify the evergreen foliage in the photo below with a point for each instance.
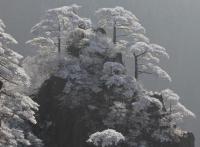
(16, 109)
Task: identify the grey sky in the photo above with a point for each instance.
(174, 24)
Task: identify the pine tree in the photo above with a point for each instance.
(129, 33)
(53, 38)
(16, 109)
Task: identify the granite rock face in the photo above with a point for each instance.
(188, 140)
(68, 128)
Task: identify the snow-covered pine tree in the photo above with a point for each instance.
(55, 27)
(129, 33)
(16, 109)
(92, 91)
(53, 35)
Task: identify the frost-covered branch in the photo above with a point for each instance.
(177, 111)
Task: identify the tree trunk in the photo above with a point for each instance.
(59, 39)
(136, 67)
(114, 34)
(59, 45)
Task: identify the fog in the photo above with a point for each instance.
(174, 24)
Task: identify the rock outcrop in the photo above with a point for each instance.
(188, 140)
(59, 127)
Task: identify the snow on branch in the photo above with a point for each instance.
(159, 71)
(122, 20)
(59, 20)
(7, 38)
(177, 110)
(2, 26)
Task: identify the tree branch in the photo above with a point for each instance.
(6, 79)
(123, 35)
(6, 93)
(2, 64)
(140, 64)
(144, 72)
(8, 59)
(141, 54)
(123, 28)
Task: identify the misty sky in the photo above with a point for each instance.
(174, 24)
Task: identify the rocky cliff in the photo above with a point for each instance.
(64, 127)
